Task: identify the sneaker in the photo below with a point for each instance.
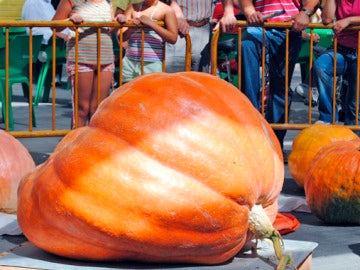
(303, 90)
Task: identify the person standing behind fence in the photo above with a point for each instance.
(42, 10)
(275, 41)
(78, 11)
(194, 18)
(342, 13)
(147, 13)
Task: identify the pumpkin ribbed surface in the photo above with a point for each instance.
(167, 171)
(308, 142)
(15, 163)
(332, 184)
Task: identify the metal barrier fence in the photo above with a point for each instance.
(55, 131)
(8, 29)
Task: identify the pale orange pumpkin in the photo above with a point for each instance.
(167, 171)
(15, 163)
(308, 142)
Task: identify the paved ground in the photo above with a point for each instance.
(338, 246)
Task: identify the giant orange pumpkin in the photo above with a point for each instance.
(332, 183)
(308, 142)
(167, 171)
(15, 163)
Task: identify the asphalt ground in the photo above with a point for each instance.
(338, 246)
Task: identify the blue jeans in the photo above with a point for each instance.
(275, 40)
(346, 65)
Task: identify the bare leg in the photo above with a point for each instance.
(86, 81)
(106, 79)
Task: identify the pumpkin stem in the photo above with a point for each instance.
(261, 226)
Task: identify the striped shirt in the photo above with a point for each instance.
(196, 10)
(266, 7)
(91, 12)
(153, 46)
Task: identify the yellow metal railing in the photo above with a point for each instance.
(11, 26)
(288, 125)
(55, 131)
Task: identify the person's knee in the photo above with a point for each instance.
(324, 64)
(83, 109)
(93, 109)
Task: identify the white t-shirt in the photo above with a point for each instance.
(39, 10)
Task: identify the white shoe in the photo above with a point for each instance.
(303, 90)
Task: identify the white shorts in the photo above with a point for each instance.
(132, 69)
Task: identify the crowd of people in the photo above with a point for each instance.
(194, 18)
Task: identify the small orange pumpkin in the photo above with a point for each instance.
(308, 142)
(15, 163)
(332, 183)
(167, 171)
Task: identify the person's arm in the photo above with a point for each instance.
(310, 6)
(119, 11)
(302, 19)
(328, 16)
(228, 20)
(63, 11)
(328, 11)
(127, 31)
(169, 33)
(183, 25)
(177, 9)
(253, 17)
(236, 3)
(246, 6)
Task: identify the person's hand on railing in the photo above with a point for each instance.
(341, 24)
(255, 18)
(300, 22)
(121, 18)
(143, 19)
(76, 18)
(183, 26)
(307, 36)
(227, 22)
